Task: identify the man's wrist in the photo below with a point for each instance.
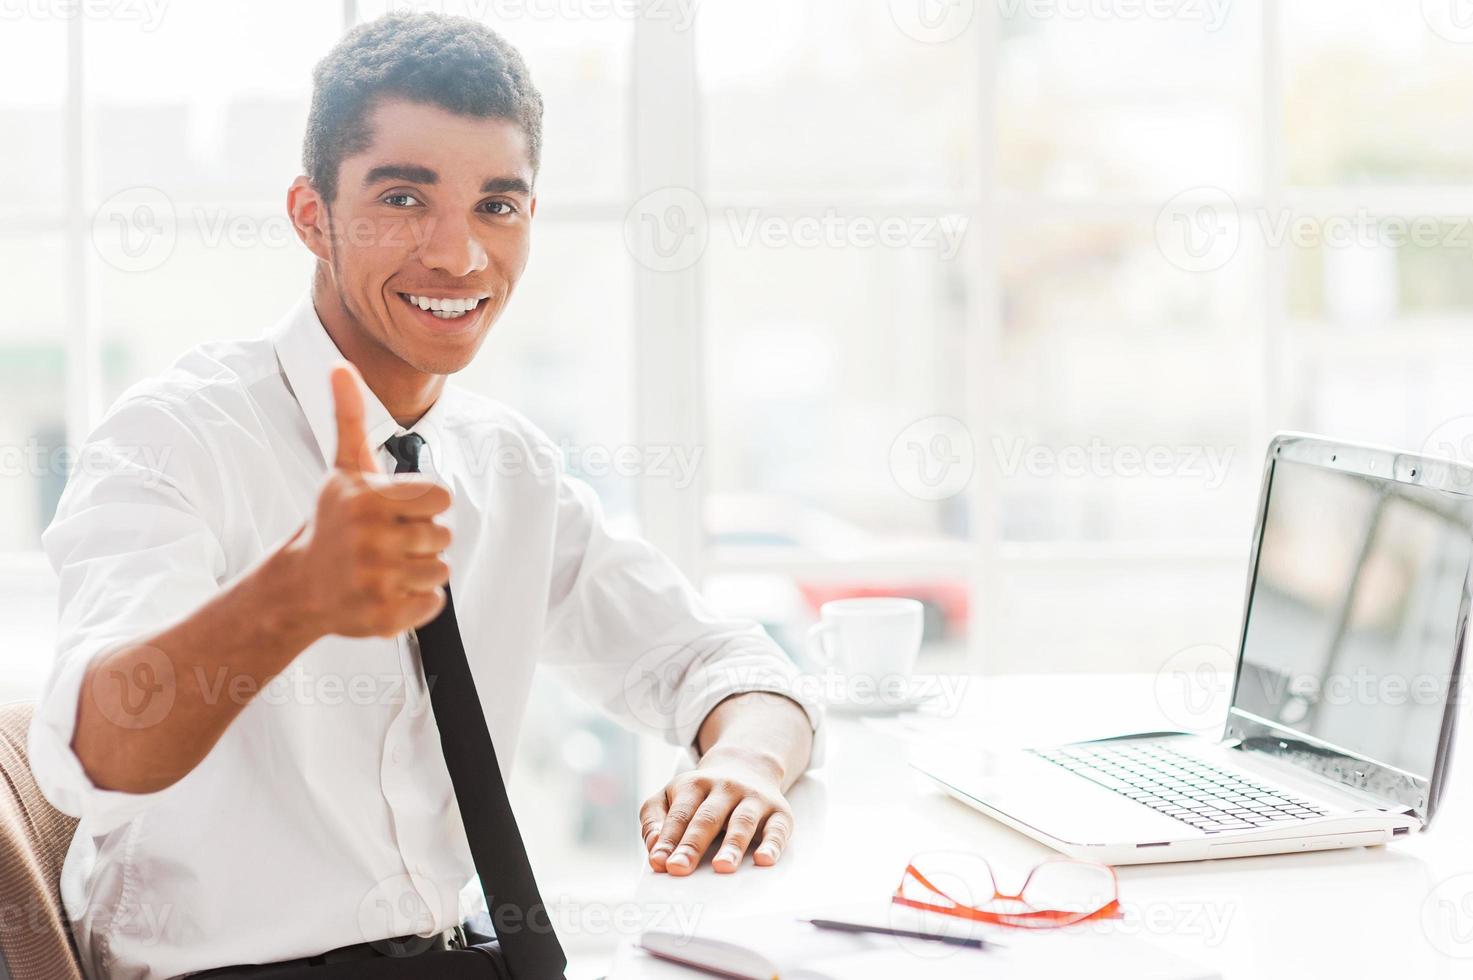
(283, 589)
(732, 751)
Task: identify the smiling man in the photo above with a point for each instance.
(295, 654)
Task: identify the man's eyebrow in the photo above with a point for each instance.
(507, 185)
(408, 172)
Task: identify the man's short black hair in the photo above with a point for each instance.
(455, 63)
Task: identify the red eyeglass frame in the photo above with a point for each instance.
(1031, 919)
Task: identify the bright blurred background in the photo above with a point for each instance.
(994, 304)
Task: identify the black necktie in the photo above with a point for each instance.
(528, 943)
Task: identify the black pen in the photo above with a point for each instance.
(904, 933)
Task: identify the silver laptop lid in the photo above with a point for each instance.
(1358, 601)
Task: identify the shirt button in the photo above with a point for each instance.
(395, 756)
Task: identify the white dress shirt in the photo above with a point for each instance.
(325, 816)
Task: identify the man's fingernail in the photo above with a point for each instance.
(661, 851)
(679, 859)
(727, 856)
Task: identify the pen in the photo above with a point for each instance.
(970, 943)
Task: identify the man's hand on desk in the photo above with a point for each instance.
(753, 747)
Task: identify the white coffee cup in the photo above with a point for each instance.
(877, 638)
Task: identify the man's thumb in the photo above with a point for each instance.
(353, 452)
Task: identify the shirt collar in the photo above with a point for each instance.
(306, 353)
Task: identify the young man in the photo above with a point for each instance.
(301, 608)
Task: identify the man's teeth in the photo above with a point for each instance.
(445, 309)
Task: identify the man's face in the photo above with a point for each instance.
(437, 208)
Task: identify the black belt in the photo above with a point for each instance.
(399, 947)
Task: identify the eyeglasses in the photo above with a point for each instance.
(1055, 893)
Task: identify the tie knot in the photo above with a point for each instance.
(405, 450)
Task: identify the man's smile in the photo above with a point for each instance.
(441, 311)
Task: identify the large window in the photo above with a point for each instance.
(993, 304)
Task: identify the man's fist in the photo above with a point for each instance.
(370, 555)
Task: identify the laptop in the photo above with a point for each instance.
(1345, 694)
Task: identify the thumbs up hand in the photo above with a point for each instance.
(370, 555)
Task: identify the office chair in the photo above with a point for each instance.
(35, 938)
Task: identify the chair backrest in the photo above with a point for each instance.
(35, 940)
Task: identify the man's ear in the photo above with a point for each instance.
(532, 207)
(308, 212)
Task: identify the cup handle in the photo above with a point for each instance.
(818, 646)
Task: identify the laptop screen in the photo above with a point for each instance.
(1354, 612)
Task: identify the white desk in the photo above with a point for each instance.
(1368, 912)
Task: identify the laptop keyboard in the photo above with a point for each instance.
(1182, 786)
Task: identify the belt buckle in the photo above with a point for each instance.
(405, 946)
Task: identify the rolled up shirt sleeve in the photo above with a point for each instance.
(629, 632)
(133, 551)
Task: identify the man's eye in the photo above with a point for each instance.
(501, 207)
(401, 200)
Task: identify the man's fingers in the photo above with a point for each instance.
(679, 814)
(420, 536)
(651, 819)
(423, 607)
(353, 452)
(741, 827)
(702, 829)
(419, 573)
(405, 496)
(775, 836)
